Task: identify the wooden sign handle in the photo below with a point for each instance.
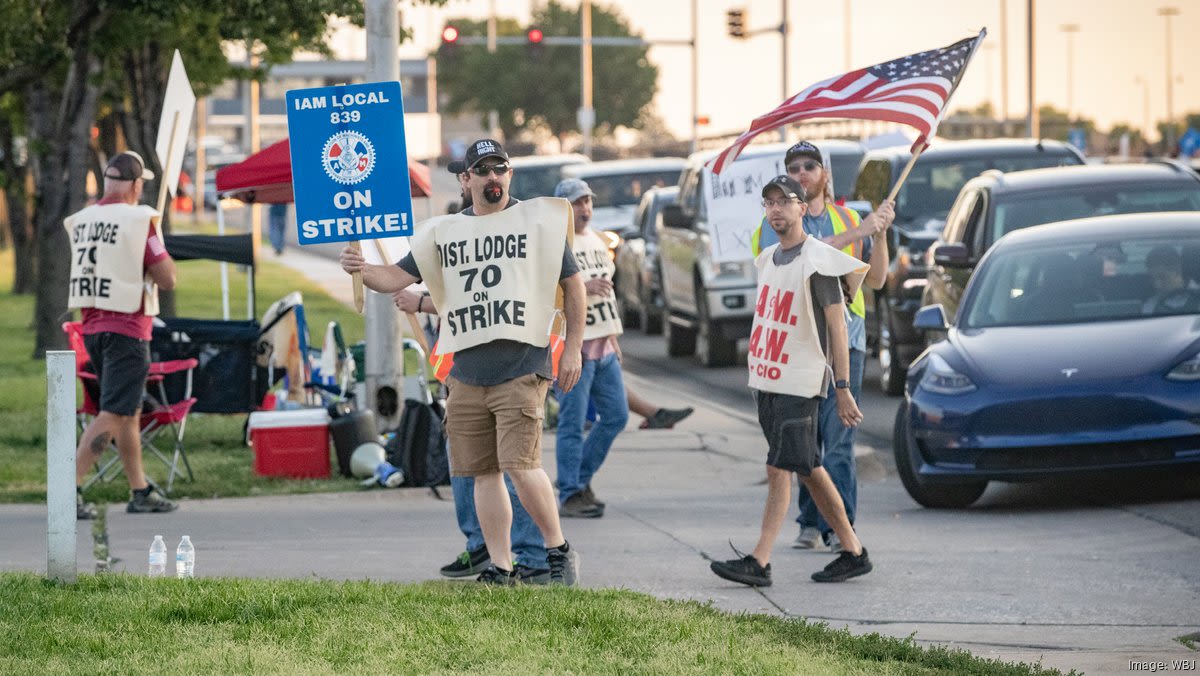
(356, 278)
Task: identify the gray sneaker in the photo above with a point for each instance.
(590, 496)
(808, 538)
(564, 566)
(149, 501)
(530, 575)
(84, 511)
(577, 507)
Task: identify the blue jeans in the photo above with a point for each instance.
(579, 458)
(277, 225)
(527, 542)
(837, 440)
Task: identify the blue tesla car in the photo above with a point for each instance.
(1076, 350)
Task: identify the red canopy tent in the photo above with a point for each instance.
(266, 177)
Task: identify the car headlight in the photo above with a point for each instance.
(941, 378)
(1187, 372)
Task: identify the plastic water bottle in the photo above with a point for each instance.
(158, 557)
(185, 558)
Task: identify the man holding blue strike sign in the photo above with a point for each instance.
(349, 162)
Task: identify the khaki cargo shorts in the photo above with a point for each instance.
(497, 428)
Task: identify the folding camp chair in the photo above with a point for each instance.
(159, 415)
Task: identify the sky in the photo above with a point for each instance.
(1117, 42)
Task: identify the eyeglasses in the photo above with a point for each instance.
(768, 203)
(485, 169)
(810, 165)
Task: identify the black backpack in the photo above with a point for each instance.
(419, 446)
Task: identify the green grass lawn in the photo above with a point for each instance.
(127, 624)
(220, 459)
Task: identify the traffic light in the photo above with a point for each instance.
(534, 39)
(449, 46)
(735, 21)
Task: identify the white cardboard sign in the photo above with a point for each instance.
(179, 100)
(735, 204)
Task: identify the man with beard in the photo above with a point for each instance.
(498, 387)
(866, 240)
(799, 329)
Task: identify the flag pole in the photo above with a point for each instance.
(925, 143)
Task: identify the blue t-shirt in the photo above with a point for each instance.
(821, 227)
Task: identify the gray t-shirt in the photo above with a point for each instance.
(825, 291)
(500, 360)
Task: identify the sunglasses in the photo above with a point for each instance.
(485, 169)
(810, 165)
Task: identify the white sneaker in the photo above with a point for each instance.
(807, 539)
(835, 545)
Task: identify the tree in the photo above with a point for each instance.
(543, 90)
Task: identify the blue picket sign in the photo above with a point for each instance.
(349, 162)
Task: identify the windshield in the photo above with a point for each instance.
(536, 181)
(933, 185)
(618, 190)
(1088, 282)
(1017, 211)
(845, 170)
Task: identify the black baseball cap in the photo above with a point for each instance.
(803, 149)
(456, 167)
(790, 187)
(482, 149)
(128, 166)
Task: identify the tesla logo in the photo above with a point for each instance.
(1069, 372)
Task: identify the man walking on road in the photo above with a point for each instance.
(502, 359)
(799, 327)
(580, 458)
(114, 245)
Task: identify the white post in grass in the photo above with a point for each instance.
(60, 465)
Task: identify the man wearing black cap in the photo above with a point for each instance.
(498, 387)
(799, 328)
(114, 246)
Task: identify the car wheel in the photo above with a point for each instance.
(891, 371)
(925, 493)
(651, 314)
(715, 349)
(631, 318)
(681, 340)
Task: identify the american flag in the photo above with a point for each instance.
(911, 90)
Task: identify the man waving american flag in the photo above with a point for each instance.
(912, 90)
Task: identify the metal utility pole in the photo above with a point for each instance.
(1070, 29)
(252, 137)
(846, 33)
(587, 114)
(493, 115)
(1033, 124)
(201, 159)
(1145, 107)
(695, 78)
(1004, 65)
(1169, 137)
(783, 34)
(385, 367)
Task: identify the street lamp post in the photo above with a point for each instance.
(1145, 107)
(1070, 29)
(1169, 137)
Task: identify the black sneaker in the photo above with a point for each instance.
(590, 496)
(577, 507)
(149, 501)
(746, 570)
(468, 563)
(564, 565)
(528, 575)
(665, 418)
(844, 567)
(493, 575)
(84, 511)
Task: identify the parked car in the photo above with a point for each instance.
(921, 208)
(620, 184)
(536, 175)
(1076, 350)
(637, 279)
(995, 204)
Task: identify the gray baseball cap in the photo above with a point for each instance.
(572, 189)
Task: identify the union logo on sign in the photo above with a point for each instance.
(348, 157)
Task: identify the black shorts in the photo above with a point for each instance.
(121, 365)
(790, 425)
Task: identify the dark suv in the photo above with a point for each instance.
(921, 209)
(995, 204)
